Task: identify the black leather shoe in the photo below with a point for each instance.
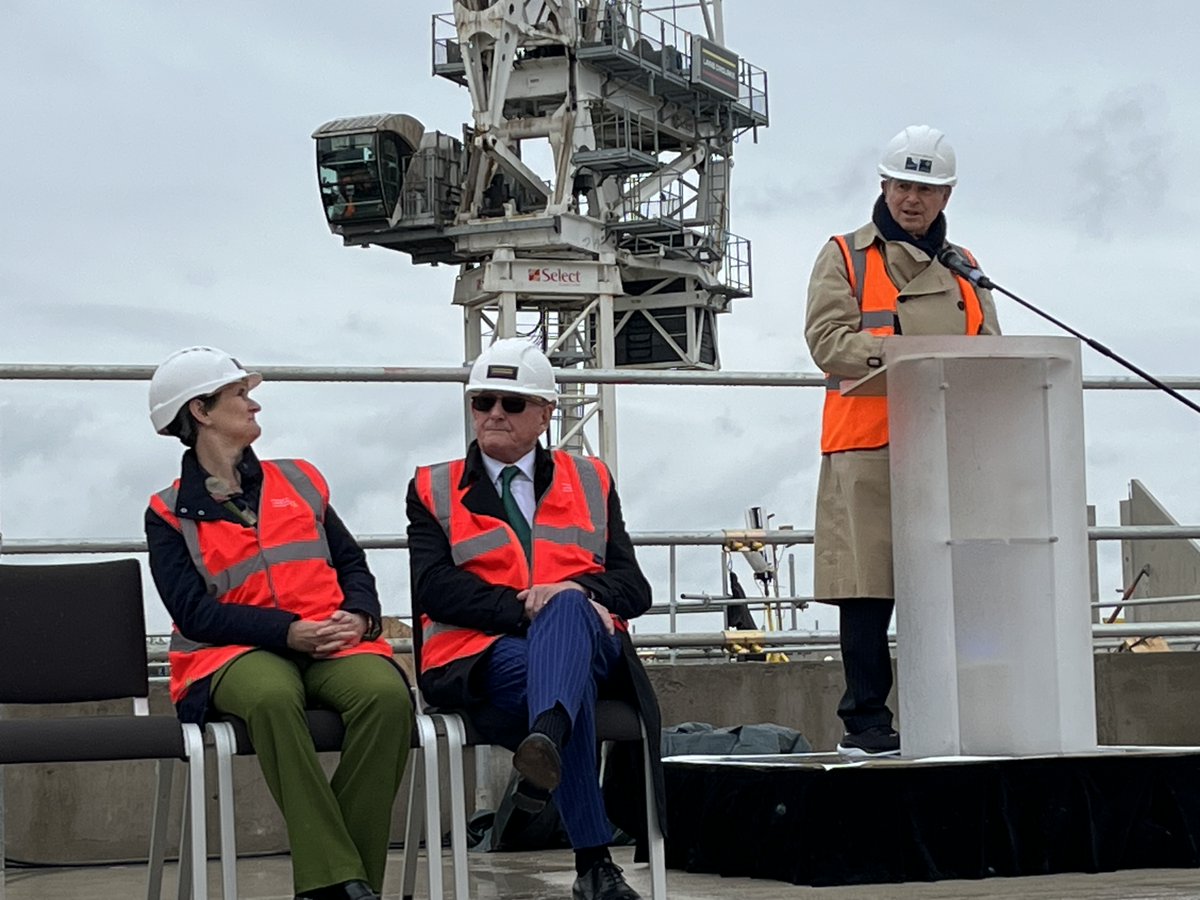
(603, 881)
(538, 761)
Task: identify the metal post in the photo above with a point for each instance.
(792, 590)
(506, 325)
(673, 597)
(673, 590)
(472, 347)
(572, 397)
(606, 358)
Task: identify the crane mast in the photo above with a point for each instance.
(586, 202)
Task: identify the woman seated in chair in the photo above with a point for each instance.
(275, 610)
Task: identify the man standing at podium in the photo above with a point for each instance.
(880, 280)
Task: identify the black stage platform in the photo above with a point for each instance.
(813, 819)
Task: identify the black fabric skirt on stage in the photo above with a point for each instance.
(810, 820)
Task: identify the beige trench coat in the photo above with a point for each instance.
(853, 531)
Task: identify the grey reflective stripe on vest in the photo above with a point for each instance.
(881, 318)
(858, 261)
(237, 574)
(311, 495)
(594, 541)
(221, 583)
(304, 486)
(439, 488)
(589, 477)
(463, 551)
(472, 548)
(191, 538)
(433, 629)
(169, 496)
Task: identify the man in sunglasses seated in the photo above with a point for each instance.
(524, 575)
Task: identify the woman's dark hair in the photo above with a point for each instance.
(185, 426)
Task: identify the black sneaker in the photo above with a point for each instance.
(876, 741)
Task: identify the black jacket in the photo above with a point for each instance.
(201, 617)
(454, 596)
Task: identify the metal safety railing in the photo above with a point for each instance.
(671, 542)
(678, 603)
(458, 374)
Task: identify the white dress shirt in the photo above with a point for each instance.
(522, 484)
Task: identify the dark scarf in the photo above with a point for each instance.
(931, 243)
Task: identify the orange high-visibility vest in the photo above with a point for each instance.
(570, 538)
(282, 562)
(860, 423)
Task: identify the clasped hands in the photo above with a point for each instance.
(325, 637)
(535, 599)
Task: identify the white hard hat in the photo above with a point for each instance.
(513, 366)
(919, 153)
(188, 373)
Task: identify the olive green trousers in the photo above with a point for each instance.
(337, 828)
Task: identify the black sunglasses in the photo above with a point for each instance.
(514, 406)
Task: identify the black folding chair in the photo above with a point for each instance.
(230, 738)
(75, 634)
(616, 720)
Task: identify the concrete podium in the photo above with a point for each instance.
(990, 547)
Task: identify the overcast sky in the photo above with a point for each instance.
(160, 191)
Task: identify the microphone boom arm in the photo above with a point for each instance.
(956, 262)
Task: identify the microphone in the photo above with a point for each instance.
(956, 262)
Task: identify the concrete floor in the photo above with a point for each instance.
(548, 876)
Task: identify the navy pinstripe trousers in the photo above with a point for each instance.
(565, 656)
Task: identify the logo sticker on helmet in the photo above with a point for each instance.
(509, 372)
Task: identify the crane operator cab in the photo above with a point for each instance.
(361, 164)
